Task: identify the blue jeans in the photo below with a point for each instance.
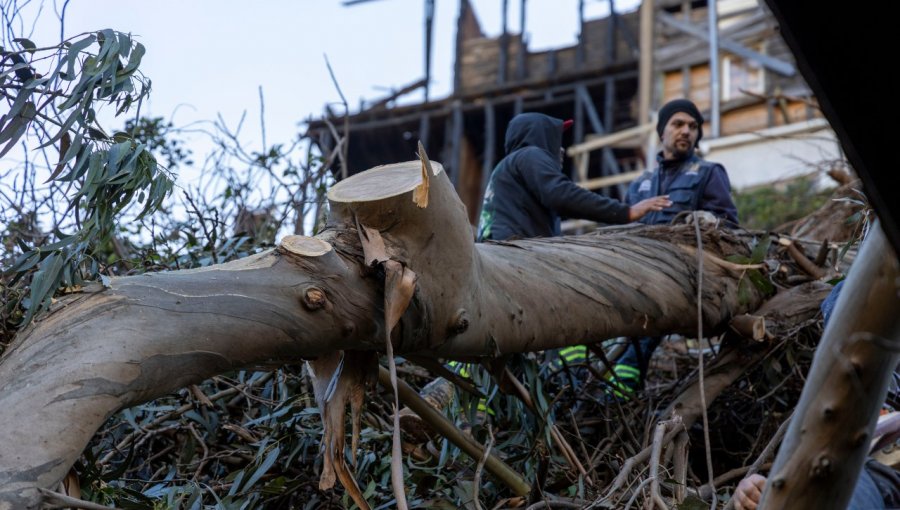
(878, 487)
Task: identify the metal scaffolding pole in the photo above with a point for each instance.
(714, 94)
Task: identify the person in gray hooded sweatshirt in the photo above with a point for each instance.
(528, 192)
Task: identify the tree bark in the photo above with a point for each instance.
(829, 436)
(141, 337)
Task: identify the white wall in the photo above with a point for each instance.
(776, 153)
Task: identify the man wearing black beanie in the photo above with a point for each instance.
(691, 184)
(675, 106)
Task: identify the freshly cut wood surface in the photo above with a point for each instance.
(381, 182)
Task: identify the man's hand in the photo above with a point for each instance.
(747, 494)
(638, 210)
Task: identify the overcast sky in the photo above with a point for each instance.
(207, 57)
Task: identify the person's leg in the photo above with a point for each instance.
(887, 481)
(631, 369)
(567, 365)
(865, 495)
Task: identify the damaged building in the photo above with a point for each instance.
(764, 122)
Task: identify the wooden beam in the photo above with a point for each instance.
(579, 50)
(645, 78)
(504, 46)
(777, 65)
(610, 140)
(521, 70)
(610, 180)
(403, 91)
(588, 104)
(611, 33)
(424, 129)
(582, 163)
(429, 35)
(457, 62)
(521, 98)
(456, 143)
(578, 128)
(489, 143)
(627, 34)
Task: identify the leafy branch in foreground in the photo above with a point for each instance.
(53, 94)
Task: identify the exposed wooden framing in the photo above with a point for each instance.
(611, 33)
(448, 150)
(551, 62)
(582, 163)
(589, 77)
(457, 61)
(588, 105)
(429, 34)
(521, 72)
(325, 141)
(578, 128)
(609, 119)
(777, 65)
(409, 118)
(456, 142)
(504, 45)
(381, 103)
(521, 98)
(610, 180)
(470, 177)
(686, 81)
(544, 102)
(645, 79)
(627, 34)
(609, 104)
(489, 144)
(424, 129)
(610, 139)
(579, 50)
(715, 93)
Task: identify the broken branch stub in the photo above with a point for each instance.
(305, 246)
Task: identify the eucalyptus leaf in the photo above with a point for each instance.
(45, 281)
(761, 282)
(135, 60)
(72, 56)
(761, 249)
(263, 467)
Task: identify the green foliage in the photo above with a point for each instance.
(753, 277)
(767, 207)
(156, 134)
(106, 175)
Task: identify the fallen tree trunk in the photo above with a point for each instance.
(138, 338)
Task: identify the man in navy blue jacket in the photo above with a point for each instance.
(691, 184)
(528, 192)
